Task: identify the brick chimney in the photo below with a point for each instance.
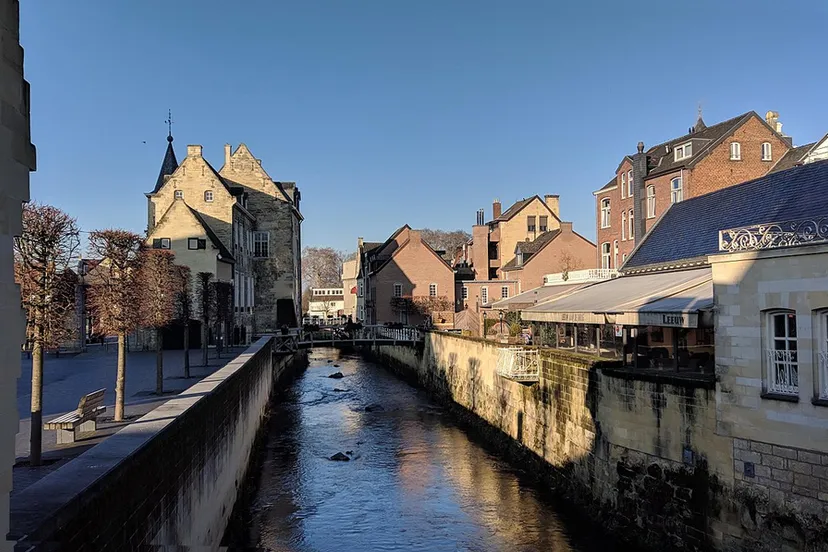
(360, 242)
(228, 150)
(495, 208)
(194, 151)
(639, 163)
(554, 203)
(566, 227)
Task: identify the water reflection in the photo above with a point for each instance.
(415, 481)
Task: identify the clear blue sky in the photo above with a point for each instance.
(392, 112)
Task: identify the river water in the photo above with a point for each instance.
(415, 480)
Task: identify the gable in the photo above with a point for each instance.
(245, 169)
(180, 222)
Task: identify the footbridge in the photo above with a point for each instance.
(337, 336)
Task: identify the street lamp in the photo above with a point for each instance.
(500, 328)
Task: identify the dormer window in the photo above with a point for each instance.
(683, 151)
(179, 194)
(519, 258)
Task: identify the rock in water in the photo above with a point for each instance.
(336, 375)
(336, 365)
(338, 390)
(373, 408)
(339, 457)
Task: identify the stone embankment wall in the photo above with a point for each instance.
(640, 454)
(169, 478)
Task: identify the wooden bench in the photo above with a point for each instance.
(83, 420)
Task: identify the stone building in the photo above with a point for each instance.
(17, 159)
(236, 224)
(706, 159)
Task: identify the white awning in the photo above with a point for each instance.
(662, 299)
(535, 296)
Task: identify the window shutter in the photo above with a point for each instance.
(156, 243)
(202, 243)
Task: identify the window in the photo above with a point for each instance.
(615, 254)
(504, 292)
(605, 255)
(623, 226)
(465, 292)
(432, 290)
(605, 213)
(821, 341)
(161, 243)
(261, 244)
(530, 224)
(542, 223)
(623, 257)
(676, 193)
(629, 184)
(196, 243)
(179, 194)
(623, 185)
(397, 290)
(208, 196)
(630, 221)
(360, 288)
(735, 151)
(781, 362)
(484, 295)
(766, 152)
(683, 151)
(650, 201)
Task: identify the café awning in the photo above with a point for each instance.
(661, 299)
(535, 296)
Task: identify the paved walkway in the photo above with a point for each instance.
(67, 378)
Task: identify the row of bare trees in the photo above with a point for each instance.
(131, 287)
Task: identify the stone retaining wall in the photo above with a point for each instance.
(169, 478)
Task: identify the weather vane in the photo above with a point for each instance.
(169, 121)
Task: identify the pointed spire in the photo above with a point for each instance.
(170, 163)
(699, 126)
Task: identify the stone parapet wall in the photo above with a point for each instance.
(169, 478)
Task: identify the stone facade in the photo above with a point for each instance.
(17, 159)
(350, 270)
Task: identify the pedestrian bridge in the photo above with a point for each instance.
(337, 336)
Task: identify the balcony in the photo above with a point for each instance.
(580, 276)
(774, 235)
(519, 364)
(782, 372)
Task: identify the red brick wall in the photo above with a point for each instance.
(717, 171)
(617, 206)
(495, 292)
(548, 260)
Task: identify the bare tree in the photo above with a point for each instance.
(184, 309)
(42, 255)
(205, 302)
(321, 267)
(157, 287)
(114, 294)
(568, 263)
(442, 240)
(223, 311)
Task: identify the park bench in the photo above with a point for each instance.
(83, 420)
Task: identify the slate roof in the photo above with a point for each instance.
(168, 165)
(532, 247)
(689, 230)
(223, 251)
(792, 158)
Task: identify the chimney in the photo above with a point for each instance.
(481, 217)
(772, 118)
(228, 149)
(566, 227)
(360, 243)
(495, 208)
(554, 203)
(639, 163)
(193, 151)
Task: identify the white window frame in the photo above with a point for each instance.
(630, 183)
(821, 350)
(397, 290)
(605, 212)
(166, 243)
(615, 254)
(178, 194)
(257, 239)
(767, 151)
(484, 295)
(606, 255)
(465, 293)
(781, 354)
(683, 151)
(360, 288)
(735, 151)
(504, 292)
(208, 196)
(631, 224)
(432, 290)
(623, 185)
(676, 192)
(190, 242)
(651, 201)
(623, 226)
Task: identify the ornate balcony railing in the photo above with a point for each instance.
(774, 235)
(823, 375)
(782, 372)
(519, 364)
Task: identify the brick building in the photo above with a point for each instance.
(235, 223)
(404, 280)
(702, 161)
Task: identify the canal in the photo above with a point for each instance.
(414, 479)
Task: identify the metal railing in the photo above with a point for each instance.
(783, 372)
(774, 235)
(576, 276)
(519, 364)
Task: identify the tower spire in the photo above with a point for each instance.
(699, 126)
(169, 122)
(170, 163)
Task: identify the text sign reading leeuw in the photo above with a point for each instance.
(669, 319)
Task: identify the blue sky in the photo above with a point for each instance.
(392, 112)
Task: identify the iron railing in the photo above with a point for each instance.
(774, 235)
(783, 372)
(519, 364)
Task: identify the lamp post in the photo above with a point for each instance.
(484, 324)
(501, 321)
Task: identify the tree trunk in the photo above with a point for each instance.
(159, 361)
(204, 335)
(36, 440)
(120, 380)
(186, 350)
(217, 334)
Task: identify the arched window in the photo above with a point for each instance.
(615, 254)
(820, 326)
(605, 213)
(623, 185)
(629, 183)
(735, 151)
(676, 191)
(208, 196)
(623, 225)
(767, 154)
(651, 205)
(630, 220)
(781, 355)
(605, 255)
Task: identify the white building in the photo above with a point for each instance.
(326, 304)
